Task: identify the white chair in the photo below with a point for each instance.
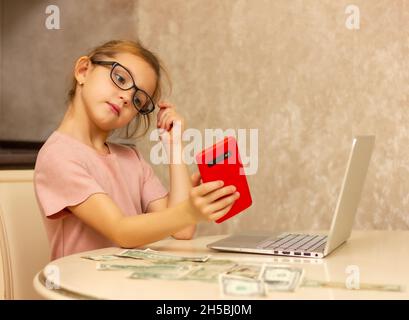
(24, 247)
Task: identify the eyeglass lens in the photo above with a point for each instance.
(123, 80)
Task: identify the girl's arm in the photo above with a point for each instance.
(162, 204)
(180, 182)
(180, 186)
(206, 202)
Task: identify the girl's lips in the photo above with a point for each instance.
(114, 108)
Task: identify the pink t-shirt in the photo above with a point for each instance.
(68, 171)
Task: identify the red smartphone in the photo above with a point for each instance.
(222, 162)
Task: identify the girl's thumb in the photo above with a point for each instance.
(195, 178)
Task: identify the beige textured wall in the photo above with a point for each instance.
(294, 71)
(36, 62)
(290, 69)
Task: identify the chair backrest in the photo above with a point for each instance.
(23, 240)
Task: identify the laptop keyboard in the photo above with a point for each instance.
(295, 242)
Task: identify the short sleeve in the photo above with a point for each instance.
(60, 182)
(152, 188)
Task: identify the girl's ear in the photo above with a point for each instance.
(82, 67)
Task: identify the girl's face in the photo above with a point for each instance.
(106, 105)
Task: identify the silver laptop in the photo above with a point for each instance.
(315, 245)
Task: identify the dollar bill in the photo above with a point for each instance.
(221, 262)
(187, 270)
(281, 278)
(239, 286)
(149, 254)
(102, 266)
(362, 286)
(106, 257)
(209, 262)
(206, 273)
(251, 271)
(171, 272)
(164, 272)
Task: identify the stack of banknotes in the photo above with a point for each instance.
(235, 278)
(243, 279)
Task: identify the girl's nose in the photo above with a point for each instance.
(122, 98)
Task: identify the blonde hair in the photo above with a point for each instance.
(112, 48)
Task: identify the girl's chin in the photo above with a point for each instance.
(106, 123)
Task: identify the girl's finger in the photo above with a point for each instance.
(227, 190)
(222, 203)
(163, 115)
(195, 179)
(178, 124)
(207, 187)
(217, 215)
(170, 121)
(163, 104)
(164, 120)
(160, 113)
(163, 108)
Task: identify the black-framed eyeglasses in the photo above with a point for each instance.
(122, 78)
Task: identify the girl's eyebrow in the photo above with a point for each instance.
(126, 67)
(133, 77)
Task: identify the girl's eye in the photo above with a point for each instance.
(137, 101)
(119, 78)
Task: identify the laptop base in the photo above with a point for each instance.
(287, 244)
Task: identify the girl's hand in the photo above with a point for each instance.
(196, 179)
(210, 201)
(170, 123)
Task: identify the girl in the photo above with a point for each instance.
(95, 194)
